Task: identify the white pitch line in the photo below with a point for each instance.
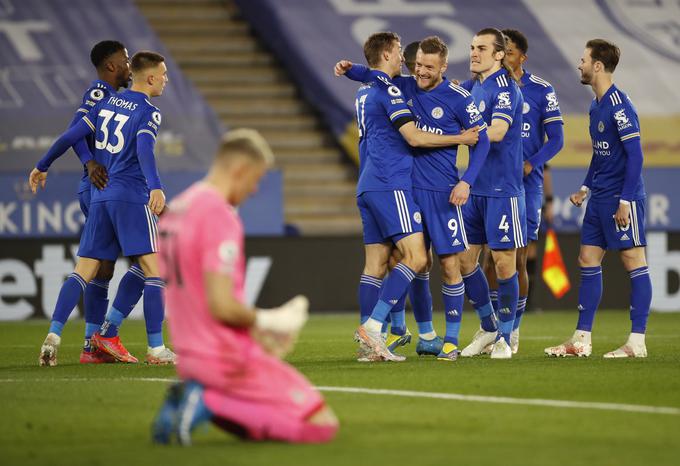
(431, 395)
(508, 400)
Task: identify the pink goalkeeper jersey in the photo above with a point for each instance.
(202, 233)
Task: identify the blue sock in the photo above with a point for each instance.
(421, 301)
(521, 306)
(113, 321)
(394, 288)
(493, 296)
(477, 291)
(386, 324)
(640, 298)
(508, 295)
(96, 300)
(68, 299)
(369, 290)
(129, 290)
(589, 295)
(453, 310)
(398, 317)
(154, 311)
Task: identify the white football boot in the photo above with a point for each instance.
(481, 340)
(514, 341)
(634, 348)
(374, 348)
(48, 350)
(578, 345)
(501, 350)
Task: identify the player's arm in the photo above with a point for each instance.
(502, 114)
(579, 196)
(554, 143)
(146, 140)
(416, 138)
(222, 304)
(470, 117)
(630, 137)
(554, 131)
(362, 73)
(38, 175)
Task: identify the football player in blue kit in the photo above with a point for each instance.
(110, 59)
(615, 213)
(122, 216)
(542, 139)
(441, 107)
(384, 197)
(495, 214)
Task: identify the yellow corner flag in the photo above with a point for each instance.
(554, 272)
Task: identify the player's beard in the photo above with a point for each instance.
(586, 79)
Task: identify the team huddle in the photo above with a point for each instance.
(413, 201)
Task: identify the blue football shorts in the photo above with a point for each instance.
(600, 228)
(115, 227)
(499, 222)
(443, 224)
(388, 216)
(534, 204)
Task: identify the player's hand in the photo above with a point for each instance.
(156, 201)
(97, 174)
(276, 344)
(342, 67)
(460, 193)
(37, 178)
(527, 167)
(456, 82)
(578, 197)
(622, 215)
(469, 137)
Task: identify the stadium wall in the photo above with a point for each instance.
(325, 269)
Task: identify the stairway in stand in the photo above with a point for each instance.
(247, 86)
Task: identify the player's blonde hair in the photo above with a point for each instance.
(246, 142)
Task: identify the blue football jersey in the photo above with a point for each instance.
(117, 121)
(446, 109)
(388, 161)
(613, 120)
(97, 91)
(499, 97)
(540, 108)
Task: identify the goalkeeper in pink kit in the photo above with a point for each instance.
(229, 354)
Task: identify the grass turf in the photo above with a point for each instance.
(74, 414)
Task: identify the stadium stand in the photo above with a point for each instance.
(246, 85)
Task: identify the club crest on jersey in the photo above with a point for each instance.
(504, 100)
(410, 102)
(622, 120)
(156, 117)
(417, 218)
(96, 94)
(526, 108)
(482, 106)
(393, 91)
(600, 127)
(227, 252)
(437, 113)
(553, 104)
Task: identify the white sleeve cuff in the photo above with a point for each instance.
(624, 202)
(585, 188)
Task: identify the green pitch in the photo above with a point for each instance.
(97, 415)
